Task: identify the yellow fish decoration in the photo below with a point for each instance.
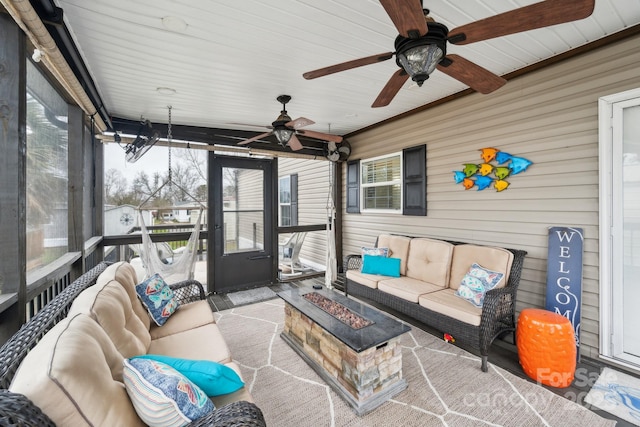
(468, 183)
(485, 169)
(500, 185)
(488, 154)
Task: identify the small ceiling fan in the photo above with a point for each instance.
(337, 152)
(145, 139)
(421, 45)
(286, 129)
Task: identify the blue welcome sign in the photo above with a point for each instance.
(564, 275)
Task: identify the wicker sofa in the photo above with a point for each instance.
(431, 271)
(65, 366)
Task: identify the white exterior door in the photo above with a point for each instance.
(620, 227)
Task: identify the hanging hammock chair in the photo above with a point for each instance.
(172, 265)
(180, 264)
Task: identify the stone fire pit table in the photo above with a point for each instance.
(363, 364)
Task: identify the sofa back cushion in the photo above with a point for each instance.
(489, 257)
(125, 274)
(429, 260)
(74, 375)
(398, 248)
(109, 305)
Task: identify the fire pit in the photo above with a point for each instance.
(352, 346)
(337, 310)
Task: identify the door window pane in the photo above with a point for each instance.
(243, 211)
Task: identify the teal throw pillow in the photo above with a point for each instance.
(158, 298)
(383, 266)
(213, 378)
(162, 396)
(477, 282)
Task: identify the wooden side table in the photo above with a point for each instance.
(546, 347)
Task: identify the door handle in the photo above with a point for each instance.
(257, 257)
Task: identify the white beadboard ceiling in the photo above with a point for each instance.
(232, 58)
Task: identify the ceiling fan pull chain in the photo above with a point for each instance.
(169, 136)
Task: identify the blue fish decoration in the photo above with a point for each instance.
(519, 164)
(502, 157)
(459, 176)
(483, 182)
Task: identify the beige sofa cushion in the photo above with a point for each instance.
(125, 274)
(492, 258)
(399, 246)
(74, 375)
(407, 288)
(446, 302)
(109, 305)
(429, 260)
(370, 280)
(187, 316)
(202, 343)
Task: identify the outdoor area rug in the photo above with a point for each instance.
(446, 385)
(251, 296)
(617, 393)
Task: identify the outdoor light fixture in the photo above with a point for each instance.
(420, 56)
(280, 130)
(283, 134)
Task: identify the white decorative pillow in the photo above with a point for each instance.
(477, 282)
(385, 252)
(162, 396)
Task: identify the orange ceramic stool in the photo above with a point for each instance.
(546, 347)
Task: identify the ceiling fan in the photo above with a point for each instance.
(286, 129)
(421, 45)
(337, 152)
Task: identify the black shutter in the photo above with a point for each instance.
(294, 199)
(353, 186)
(414, 172)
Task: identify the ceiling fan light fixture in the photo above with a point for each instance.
(283, 134)
(420, 61)
(420, 56)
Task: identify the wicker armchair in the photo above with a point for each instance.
(498, 313)
(17, 410)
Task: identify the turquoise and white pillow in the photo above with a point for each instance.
(477, 282)
(215, 379)
(158, 298)
(161, 396)
(384, 252)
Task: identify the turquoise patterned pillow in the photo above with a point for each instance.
(385, 252)
(158, 298)
(161, 396)
(477, 282)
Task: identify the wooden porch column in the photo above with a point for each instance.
(13, 145)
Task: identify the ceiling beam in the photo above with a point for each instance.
(217, 136)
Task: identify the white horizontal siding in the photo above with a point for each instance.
(313, 189)
(549, 117)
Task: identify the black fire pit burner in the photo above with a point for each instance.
(337, 310)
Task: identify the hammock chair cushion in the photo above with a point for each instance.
(158, 298)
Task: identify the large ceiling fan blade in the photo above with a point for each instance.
(537, 15)
(347, 65)
(390, 90)
(295, 143)
(299, 122)
(407, 16)
(478, 78)
(321, 136)
(255, 138)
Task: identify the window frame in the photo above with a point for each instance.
(363, 186)
(293, 200)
